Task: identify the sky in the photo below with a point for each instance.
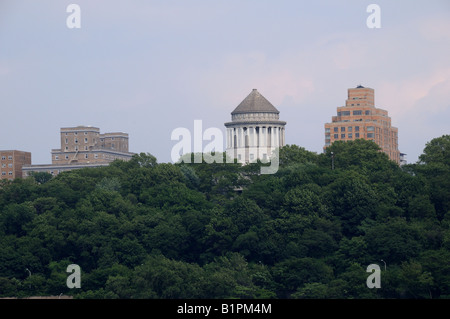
(149, 67)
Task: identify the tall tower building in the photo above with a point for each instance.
(359, 118)
(255, 130)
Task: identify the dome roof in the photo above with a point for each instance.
(255, 103)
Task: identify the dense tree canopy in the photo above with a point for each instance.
(143, 229)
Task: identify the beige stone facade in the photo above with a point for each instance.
(11, 163)
(84, 146)
(359, 118)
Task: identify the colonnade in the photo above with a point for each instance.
(255, 141)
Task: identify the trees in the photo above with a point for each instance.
(143, 229)
(434, 167)
(436, 151)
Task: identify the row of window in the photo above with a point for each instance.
(86, 140)
(356, 112)
(86, 147)
(76, 140)
(76, 133)
(86, 156)
(9, 157)
(343, 129)
(349, 135)
(349, 129)
(9, 173)
(9, 165)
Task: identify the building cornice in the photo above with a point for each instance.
(254, 123)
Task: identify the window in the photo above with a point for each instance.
(10, 165)
(342, 135)
(85, 148)
(76, 133)
(356, 128)
(86, 156)
(327, 142)
(370, 129)
(343, 129)
(369, 135)
(76, 141)
(3, 165)
(10, 157)
(327, 130)
(327, 136)
(350, 129)
(67, 148)
(350, 135)
(367, 112)
(359, 112)
(67, 141)
(251, 157)
(336, 129)
(85, 140)
(10, 173)
(3, 173)
(345, 113)
(76, 148)
(339, 113)
(112, 145)
(95, 156)
(3, 157)
(85, 133)
(56, 157)
(336, 136)
(67, 157)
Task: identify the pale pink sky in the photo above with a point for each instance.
(148, 67)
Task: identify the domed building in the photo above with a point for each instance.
(255, 130)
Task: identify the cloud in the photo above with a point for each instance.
(435, 28)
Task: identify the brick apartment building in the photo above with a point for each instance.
(84, 146)
(359, 118)
(11, 163)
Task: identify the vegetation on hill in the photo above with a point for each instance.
(143, 229)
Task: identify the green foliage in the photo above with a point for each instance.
(41, 177)
(143, 229)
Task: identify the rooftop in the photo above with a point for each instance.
(255, 103)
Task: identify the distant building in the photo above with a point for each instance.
(11, 163)
(255, 130)
(359, 118)
(84, 146)
(403, 160)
